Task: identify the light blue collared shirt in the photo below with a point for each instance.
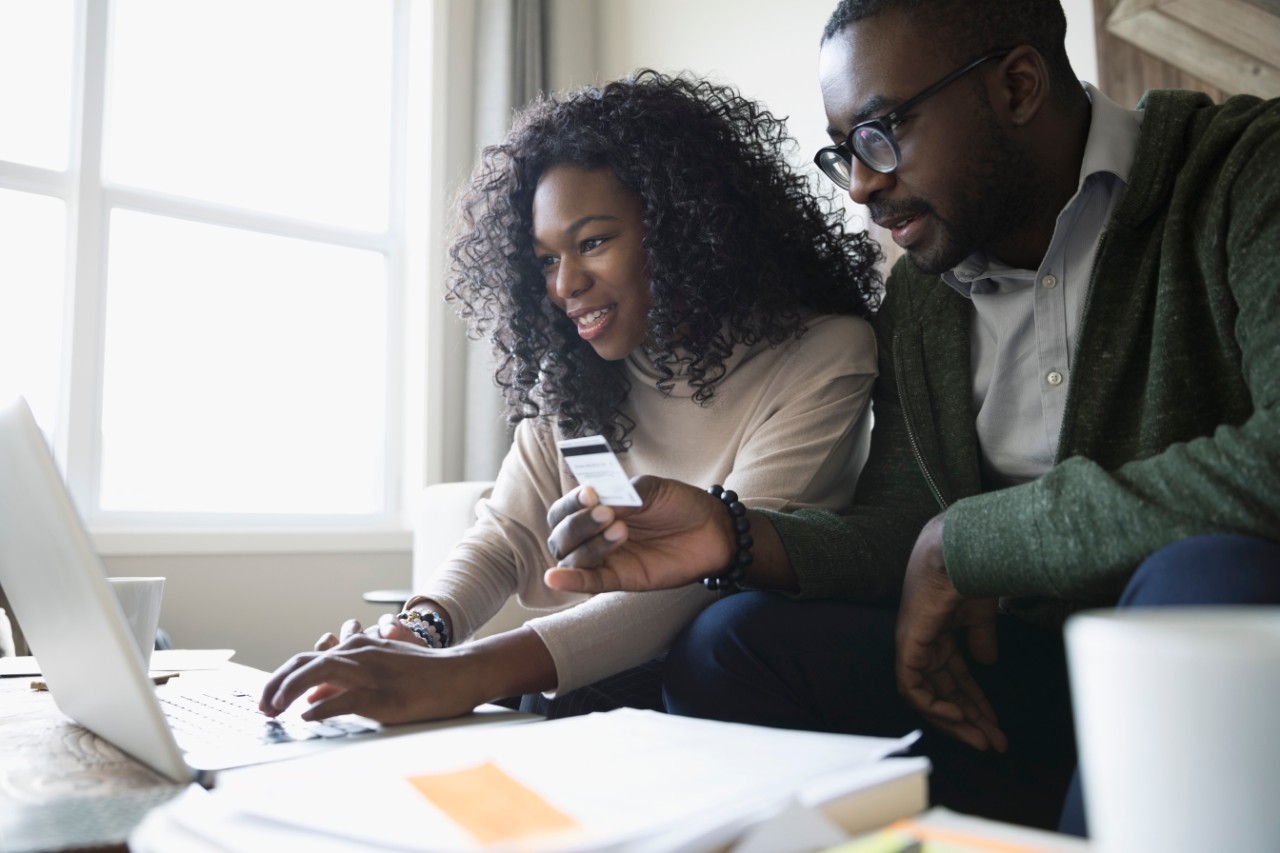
(1025, 321)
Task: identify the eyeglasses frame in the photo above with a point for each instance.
(890, 120)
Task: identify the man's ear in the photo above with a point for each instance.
(1022, 85)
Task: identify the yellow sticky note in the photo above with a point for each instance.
(491, 805)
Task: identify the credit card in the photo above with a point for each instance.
(595, 465)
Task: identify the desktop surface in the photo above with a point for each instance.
(62, 787)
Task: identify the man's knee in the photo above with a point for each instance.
(1215, 569)
(767, 659)
(716, 656)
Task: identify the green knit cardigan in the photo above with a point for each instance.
(1171, 426)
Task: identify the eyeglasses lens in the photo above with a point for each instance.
(875, 148)
(835, 167)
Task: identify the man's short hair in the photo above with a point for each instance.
(968, 28)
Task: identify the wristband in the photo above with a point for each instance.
(428, 625)
(737, 569)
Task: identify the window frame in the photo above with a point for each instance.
(406, 244)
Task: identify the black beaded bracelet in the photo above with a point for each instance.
(737, 569)
(428, 625)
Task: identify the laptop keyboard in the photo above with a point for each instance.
(217, 718)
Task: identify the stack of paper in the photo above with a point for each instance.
(625, 780)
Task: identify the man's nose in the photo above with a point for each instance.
(865, 182)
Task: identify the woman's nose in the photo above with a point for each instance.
(570, 279)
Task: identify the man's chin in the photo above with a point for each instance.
(936, 259)
(927, 262)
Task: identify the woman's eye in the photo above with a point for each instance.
(547, 261)
(592, 243)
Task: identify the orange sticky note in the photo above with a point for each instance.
(491, 805)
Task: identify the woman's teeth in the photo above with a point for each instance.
(592, 318)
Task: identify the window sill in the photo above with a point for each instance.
(121, 543)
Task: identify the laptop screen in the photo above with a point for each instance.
(57, 586)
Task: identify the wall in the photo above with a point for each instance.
(265, 606)
(769, 51)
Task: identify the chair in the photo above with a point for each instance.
(444, 512)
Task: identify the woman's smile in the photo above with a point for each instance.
(593, 322)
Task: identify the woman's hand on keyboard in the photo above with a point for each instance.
(394, 681)
(388, 627)
(391, 681)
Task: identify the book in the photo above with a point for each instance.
(940, 830)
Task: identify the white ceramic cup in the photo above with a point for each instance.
(140, 599)
(1177, 713)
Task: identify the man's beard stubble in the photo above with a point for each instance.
(993, 201)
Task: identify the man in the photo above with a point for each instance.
(1077, 406)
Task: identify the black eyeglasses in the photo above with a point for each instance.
(872, 141)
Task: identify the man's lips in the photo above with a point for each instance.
(890, 224)
(901, 225)
(889, 220)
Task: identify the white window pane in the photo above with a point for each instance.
(32, 286)
(243, 372)
(36, 39)
(282, 106)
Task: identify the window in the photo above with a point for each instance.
(203, 255)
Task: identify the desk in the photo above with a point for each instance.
(62, 787)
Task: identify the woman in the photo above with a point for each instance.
(648, 268)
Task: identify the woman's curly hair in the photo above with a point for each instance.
(738, 246)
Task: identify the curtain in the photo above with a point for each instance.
(501, 63)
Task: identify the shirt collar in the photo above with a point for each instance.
(1109, 148)
(1113, 137)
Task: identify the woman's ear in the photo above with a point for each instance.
(1022, 86)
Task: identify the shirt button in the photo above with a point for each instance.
(1054, 378)
(1049, 281)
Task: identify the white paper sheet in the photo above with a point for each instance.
(623, 776)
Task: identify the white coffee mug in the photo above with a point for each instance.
(140, 600)
(1176, 713)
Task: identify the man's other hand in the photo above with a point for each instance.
(931, 669)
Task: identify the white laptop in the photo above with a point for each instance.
(57, 587)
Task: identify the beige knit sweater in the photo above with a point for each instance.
(787, 428)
